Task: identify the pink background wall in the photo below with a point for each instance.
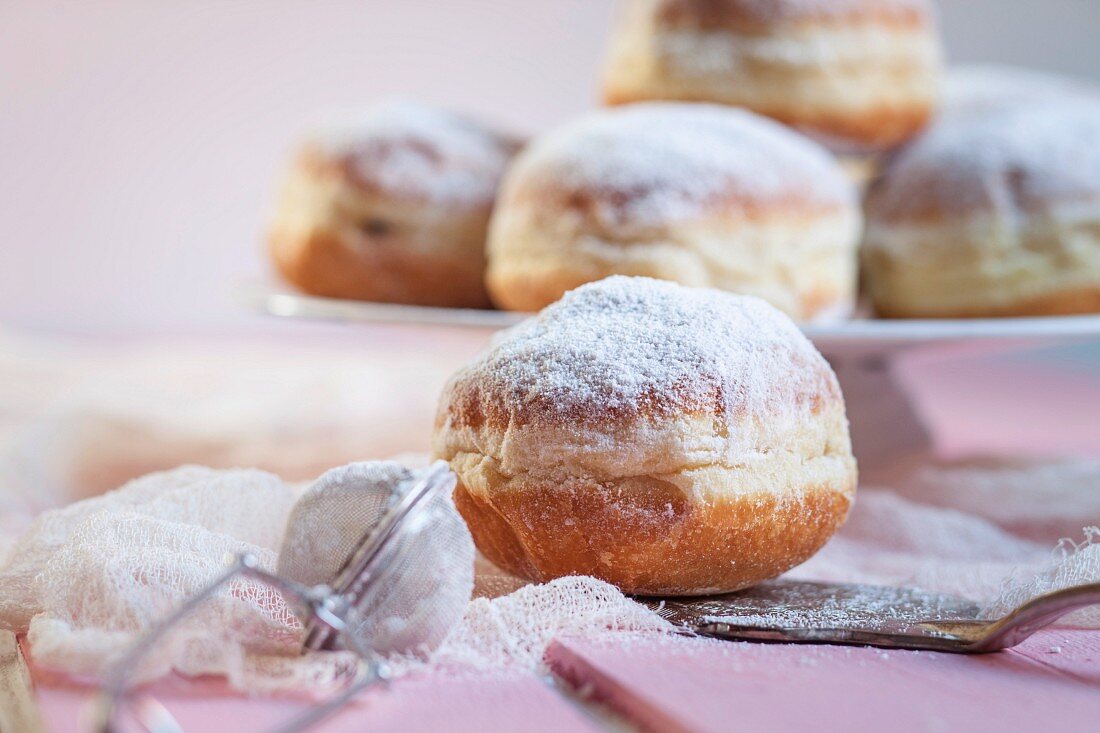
(140, 139)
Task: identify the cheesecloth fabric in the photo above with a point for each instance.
(85, 579)
(84, 582)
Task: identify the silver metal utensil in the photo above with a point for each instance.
(332, 615)
(860, 615)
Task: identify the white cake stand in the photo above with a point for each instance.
(887, 432)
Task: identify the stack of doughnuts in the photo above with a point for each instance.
(699, 194)
(860, 74)
(988, 211)
(669, 440)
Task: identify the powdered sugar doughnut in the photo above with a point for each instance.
(699, 194)
(861, 74)
(392, 206)
(668, 440)
(991, 214)
(979, 89)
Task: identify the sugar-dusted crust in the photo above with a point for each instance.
(859, 75)
(697, 194)
(393, 207)
(602, 439)
(647, 164)
(991, 215)
(331, 240)
(1019, 156)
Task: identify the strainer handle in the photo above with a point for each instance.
(156, 718)
(360, 565)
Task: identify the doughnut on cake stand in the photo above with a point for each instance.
(887, 432)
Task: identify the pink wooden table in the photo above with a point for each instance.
(706, 685)
(702, 685)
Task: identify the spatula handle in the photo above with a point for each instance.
(1037, 614)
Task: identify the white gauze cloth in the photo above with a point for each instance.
(86, 580)
(133, 554)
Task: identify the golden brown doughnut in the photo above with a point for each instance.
(860, 74)
(994, 212)
(668, 440)
(698, 194)
(392, 206)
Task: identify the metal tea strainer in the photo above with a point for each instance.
(375, 560)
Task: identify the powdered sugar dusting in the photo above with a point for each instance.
(1013, 158)
(791, 604)
(628, 344)
(979, 88)
(514, 631)
(657, 162)
(414, 150)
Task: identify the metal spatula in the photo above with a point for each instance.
(862, 615)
